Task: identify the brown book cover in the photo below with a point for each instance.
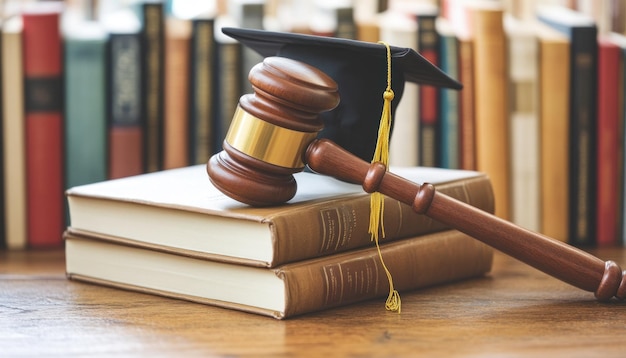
(467, 125)
(285, 291)
(179, 208)
(176, 118)
(490, 91)
(125, 151)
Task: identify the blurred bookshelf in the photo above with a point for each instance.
(150, 85)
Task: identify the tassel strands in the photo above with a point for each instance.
(377, 200)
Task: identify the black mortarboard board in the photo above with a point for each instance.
(360, 70)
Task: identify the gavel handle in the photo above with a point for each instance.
(553, 257)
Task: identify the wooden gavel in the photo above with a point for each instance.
(273, 135)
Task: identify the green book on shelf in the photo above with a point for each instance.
(85, 97)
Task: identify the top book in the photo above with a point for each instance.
(179, 209)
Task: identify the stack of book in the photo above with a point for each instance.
(171, 233)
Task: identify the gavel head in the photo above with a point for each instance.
(293, 101)
(270, 131)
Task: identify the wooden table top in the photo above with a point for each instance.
(514, 311)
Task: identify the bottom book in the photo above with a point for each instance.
(285, 291)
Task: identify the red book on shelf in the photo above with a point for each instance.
(607, 164)
(44, 124)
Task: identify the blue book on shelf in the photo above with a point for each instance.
(449, 141)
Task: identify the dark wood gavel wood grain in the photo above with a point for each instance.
(291, 94)
(553, 257)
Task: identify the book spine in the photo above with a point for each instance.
(623, 149)
(554, 76)
(617, 12)
(428, 45)
(153, 79)
(13, 139)
(227, 88)
(125, 111)
(400, 30)
(342, 225)
(43, 88)
(251, 16)
(467, 115)
(524, 123)
(3, 201)
(449, 106)
(414, 263)
(582, 127)
(201, 98)
(491, 99)
(608, 158)
(346, 25)
(582, 147)
(85, 117)
(176, 118)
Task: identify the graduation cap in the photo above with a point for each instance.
(360, 70)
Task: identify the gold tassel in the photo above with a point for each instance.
(377, 200)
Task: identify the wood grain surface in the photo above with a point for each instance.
(515, 311)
